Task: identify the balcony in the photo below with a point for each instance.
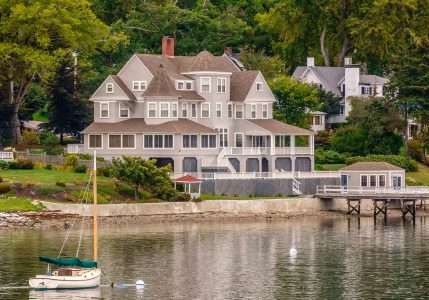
(268, 151)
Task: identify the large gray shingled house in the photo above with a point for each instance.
(200, 113)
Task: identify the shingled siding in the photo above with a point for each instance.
(262, 187)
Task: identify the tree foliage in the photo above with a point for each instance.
(270, 66)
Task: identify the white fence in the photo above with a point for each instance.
(250, 175)
(6, 156)
(74, 148)
(363, 190)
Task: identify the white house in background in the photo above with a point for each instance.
(344, 82)
(199, 113)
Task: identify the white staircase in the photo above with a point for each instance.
(296, 187)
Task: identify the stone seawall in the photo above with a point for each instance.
(263, 187)
(238, 207)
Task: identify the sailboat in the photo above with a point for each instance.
(72, 273)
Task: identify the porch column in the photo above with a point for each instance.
(273, 142)
(292, 145)
(311, 141)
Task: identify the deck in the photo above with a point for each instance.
(359, 192)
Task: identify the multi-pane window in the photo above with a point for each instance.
(114, 141)
(366, 90)
(180, 85)
(265, 111)
(223, 137)
(218, 110)
(259, 86)
(317, 120)
(109, 88)
(239, 140)
(124, 110)
(164, 110)
(381, 180)
(208, 141)
(152, 110)
(95, 141)
(205, 110)
(193, 110)
(184, 110)
(205, 84)
(174, 110)
(139, 85)
(253, 111)
(230, 112)
(189, 85)
(373, 180)
(190, 141)
(158, 141)
(238, 111)
(104, 110)
(364, 180)
(221, 85)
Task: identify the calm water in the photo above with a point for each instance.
(335, 259)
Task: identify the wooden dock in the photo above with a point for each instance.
(380, 196)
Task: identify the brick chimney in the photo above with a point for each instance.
(168, 46)
(228, 51)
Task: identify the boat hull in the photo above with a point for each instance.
(86, 280)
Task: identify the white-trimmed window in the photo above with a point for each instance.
(239, 111)
(190, 141)
(95, 141)
(152, 109)
(104, 110)
(372, 180)
(238, 140)
(205, 110)
(265, 111)
(221, 85)
(193, 110)
(124, 110)
(366, 90)
(164, 110)
(122, 141)
(381, 180)
(180, 85)
(230, 110)
(218, 110)
(223, 137)
(205, 85)
(189, 86)
(363, 180)
(158, 141)
(208, 141)
(184, 110)
(259, 86)
(139, 86)
(109, 88)
(174, 110)
(253, 111)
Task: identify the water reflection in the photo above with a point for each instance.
(65, 294)
(336, 258)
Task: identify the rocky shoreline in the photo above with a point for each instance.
(58, 219)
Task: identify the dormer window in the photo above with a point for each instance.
(109, 88)
(259, 86)
(184, 85)
(180, 85)
(189, 85)
(139, 86)
(205, 85)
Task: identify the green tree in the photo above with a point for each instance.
(34, 36)
(295, 100)
(138, 172)
(50, 142)
(270, 66)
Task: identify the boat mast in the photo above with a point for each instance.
(94, 184)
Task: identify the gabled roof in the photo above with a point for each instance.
(241, 82)
(371, 166)
(123, 87)
(138, 125)
(372, 79)
(278, 127)
(328, 76)
(161, 85)
(205, 61)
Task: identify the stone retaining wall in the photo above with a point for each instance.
(239, 207)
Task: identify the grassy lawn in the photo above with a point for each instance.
(421, 177)
(329, 167)
(38, 116)
(14, 204)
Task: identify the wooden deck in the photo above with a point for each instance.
(408, 192)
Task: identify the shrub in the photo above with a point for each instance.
(4, 165)
(48, 167)
(70, 162)
(125, 190)
(30, 137)
(5, 188)
(104, 171)
(49, 141)
(1, 179)
(85, 156)
(329, 157)
(25, 164)
(13, 165)
(182, 197)
(60, 183)
(80, 168)
(410, 165)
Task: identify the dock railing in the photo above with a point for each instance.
(373, 190)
